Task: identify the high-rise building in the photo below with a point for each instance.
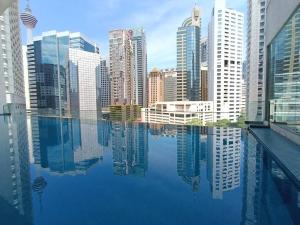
(225, 61)
(204, 83)
(170, 84)
(121, 67)
(4, 4)
(104, 84)
(48, 58)
(244, 96)
(26, 78)
(204, 51)
(283, 67)
(11, 63)
(29, 22)
(224, 160)
(255, 64)
(188, 58)
(84, 69)
(140, 66)
(155, 86)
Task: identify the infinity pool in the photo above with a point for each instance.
(72, 172)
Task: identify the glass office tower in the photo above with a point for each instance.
(48, 70)
(188, 58)
(284, 72)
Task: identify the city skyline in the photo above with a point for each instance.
(170, 14)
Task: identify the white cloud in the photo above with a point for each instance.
(160, 19)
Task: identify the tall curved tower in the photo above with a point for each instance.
(29, 21)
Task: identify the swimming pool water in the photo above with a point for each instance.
(73, 172)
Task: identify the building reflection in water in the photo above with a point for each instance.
(188, 155)
(15, 187)
(72, 148)
(130, 148)
(224, 160)
(269, 197)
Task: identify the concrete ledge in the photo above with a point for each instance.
(285, 152)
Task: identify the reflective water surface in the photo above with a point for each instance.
(72, 172)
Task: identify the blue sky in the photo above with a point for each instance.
(95, 18)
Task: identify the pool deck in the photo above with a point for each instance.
(285, 152)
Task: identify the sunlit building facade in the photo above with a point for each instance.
(48, 58)
(121, 67)
(170, 84)
(12, 94)
(255, 64)
(155, 86)
(225, 61)
(139, 46)
(84, 69)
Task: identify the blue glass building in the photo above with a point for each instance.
(284, 72)
(49, 80)
(188, 58)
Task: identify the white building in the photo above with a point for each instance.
(244, 96)
(26, 78)
(255, 65)
(11, 63)
(225, 61)
(85, 67)
(180, 112)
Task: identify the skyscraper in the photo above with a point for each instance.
(11, 63)
(170, 84)
(204, 83)
(121, 67)
(283, 54)
(4, 4)
(255, 65)
(188, 58)
(155, 86)
(225, 61)
(104, 84)
(84, 69)
(48, 58)
(29, 21)
(140, 66)
(204, 51)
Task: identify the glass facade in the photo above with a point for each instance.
(284, 73)
(188, 62)
(49, 80)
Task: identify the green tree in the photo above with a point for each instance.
(195, 122)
